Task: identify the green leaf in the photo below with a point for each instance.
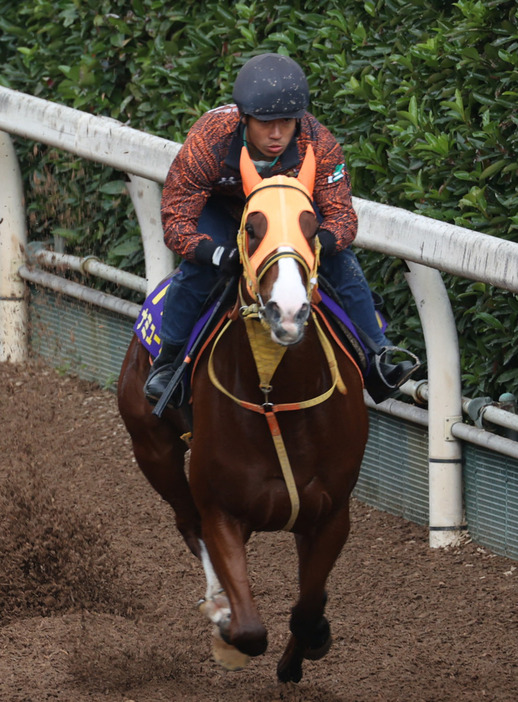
(492, 169)
(115, 187)
(490, 320)
(126, 248)
(68, 234)
(510, 376)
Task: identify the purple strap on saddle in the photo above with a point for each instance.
(343, 317)
(199, 326)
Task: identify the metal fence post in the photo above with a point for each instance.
(146, 195)
(444, 404)
(13, 239)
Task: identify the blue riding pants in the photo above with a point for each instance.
(192, 283)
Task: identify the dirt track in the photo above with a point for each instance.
(98, 593)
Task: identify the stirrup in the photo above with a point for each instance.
(378, 383)
(179, 393)
(382, 361)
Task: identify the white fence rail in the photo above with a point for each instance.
(428, 246)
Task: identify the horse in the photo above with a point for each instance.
(279, 428)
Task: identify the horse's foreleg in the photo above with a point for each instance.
(310, 632)
(216, 607)
(226, 546)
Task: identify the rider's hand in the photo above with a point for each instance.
(224, 257)
(327, 242)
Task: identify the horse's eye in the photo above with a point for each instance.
(249, 229)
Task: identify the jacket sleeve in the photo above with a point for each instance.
(332, 192)
(187, 187)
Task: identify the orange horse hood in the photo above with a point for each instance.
(281, 199)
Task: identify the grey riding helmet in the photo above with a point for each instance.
(271, 86)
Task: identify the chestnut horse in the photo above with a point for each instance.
(279, 428)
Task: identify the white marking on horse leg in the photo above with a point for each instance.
(215, 605)
(213, 584)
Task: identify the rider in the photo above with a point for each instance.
(203, 200)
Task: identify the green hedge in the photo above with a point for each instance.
(422, 94)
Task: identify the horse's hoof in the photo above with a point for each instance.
(291, 672)
(317, 640)
(289, 668)
(315, 654)
(226, 655)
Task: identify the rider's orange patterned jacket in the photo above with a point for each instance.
(208, 166)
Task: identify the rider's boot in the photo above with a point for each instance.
(162, 370)
(384, 378)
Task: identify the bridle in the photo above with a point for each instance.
(283, 238)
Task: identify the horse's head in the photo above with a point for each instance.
(278, 246)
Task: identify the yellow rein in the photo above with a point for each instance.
(266, 370)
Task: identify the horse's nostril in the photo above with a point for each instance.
(272, 311)
(303, 313)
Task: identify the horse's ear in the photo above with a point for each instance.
(249, 174)
(308, 169)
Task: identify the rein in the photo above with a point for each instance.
(269, 409)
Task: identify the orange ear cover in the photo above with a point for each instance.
(251, 177)
(307, 172)
(249, 174)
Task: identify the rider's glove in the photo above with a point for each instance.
(224, 257)
(327, 242)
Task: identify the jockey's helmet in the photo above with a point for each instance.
(271, 86)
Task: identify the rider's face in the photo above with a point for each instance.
(271, 138)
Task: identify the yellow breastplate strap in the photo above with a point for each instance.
(267, 356)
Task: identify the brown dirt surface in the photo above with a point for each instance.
(98, 592)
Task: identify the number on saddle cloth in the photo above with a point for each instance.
(149, 322)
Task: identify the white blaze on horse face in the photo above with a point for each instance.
(290, 299)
